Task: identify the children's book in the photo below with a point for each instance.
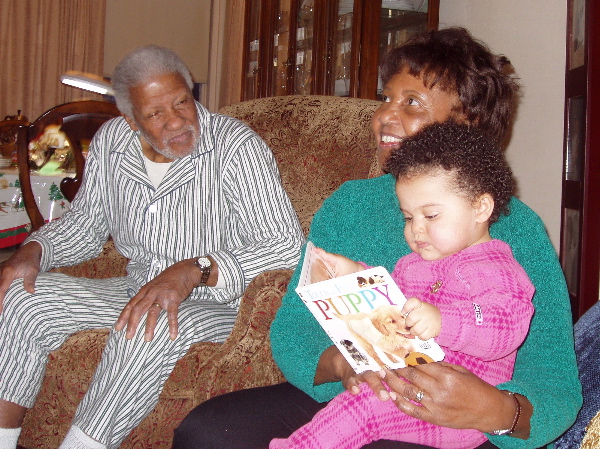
(361, 313)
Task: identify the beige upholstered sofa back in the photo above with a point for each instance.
(319, 142)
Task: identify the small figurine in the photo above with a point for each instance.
(51, 145)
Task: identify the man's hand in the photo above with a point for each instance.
(165, 292)
(25, 264)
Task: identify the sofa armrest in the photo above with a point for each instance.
(244, 360)
(259, 306)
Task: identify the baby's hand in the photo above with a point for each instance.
(329, 265)
(424, 320)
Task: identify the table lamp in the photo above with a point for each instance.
(87, 81)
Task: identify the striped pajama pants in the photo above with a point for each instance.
(131, 373)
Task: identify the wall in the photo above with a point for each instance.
(181, 25)
(532, 34)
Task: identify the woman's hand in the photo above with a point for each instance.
(452, 396)
(329, 265)
(334, 367)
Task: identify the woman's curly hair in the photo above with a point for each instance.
(454, 61)
(473, 159)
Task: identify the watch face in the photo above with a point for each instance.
(203, 262)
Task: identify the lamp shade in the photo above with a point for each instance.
(87, 81)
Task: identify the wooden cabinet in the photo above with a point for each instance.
(325, 47)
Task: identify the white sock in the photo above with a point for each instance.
(9, 438)
(76, 439)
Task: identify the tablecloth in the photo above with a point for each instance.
(14, 222)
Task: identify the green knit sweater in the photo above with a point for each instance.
(362, 221)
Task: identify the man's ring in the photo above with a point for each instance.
(420, 395)
(156, 304)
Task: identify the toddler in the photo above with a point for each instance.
(465, 289)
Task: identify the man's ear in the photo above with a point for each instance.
(484, 206)
(131, 123)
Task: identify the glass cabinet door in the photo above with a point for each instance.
(303, 64)
(283, 44)
(342, 51)
(325, 47)
(252, 68)
(400, 19)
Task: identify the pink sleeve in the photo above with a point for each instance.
(494, 321)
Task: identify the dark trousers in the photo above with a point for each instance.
(250, 419)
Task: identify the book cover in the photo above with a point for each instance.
(361, 313)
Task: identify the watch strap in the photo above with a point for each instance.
(205, 276)
(205, 268)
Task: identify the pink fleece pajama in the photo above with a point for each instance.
(485, 302)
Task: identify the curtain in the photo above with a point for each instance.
(39, 41)
(232, 72)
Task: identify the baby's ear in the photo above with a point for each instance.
(484, 206)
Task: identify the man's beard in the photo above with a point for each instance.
(165, 150)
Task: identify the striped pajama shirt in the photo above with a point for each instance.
(225, 200)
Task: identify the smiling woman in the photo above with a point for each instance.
(407, 107)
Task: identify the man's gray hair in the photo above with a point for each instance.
(141, 65)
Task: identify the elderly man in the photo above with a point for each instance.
(194, 200)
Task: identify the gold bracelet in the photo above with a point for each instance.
(515, 420)
(517, 414)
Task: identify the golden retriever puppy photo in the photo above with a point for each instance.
(382, 333)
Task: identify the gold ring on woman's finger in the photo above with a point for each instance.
(157, 305)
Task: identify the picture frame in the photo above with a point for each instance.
(575, 144)
(576, 33)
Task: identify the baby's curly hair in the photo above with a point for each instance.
(474, 160)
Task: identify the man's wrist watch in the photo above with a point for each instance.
(515, 419)
(205, 265)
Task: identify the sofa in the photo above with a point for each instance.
(585, 432)
(319, 142)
